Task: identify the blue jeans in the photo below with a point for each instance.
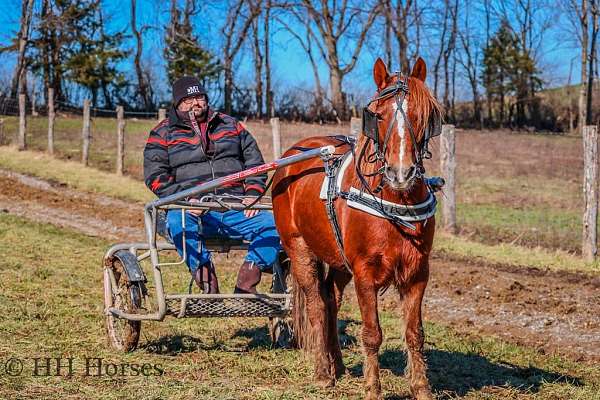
(258, 230)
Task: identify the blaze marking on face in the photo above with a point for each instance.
(401, 134)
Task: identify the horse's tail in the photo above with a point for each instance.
(303, 336)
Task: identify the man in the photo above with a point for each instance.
(196, 144)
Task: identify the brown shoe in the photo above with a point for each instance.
(206, 278)
(248, 278)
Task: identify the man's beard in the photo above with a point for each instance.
(199, 114)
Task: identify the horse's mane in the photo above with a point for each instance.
(421, 97)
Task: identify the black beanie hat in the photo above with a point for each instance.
(187, 86)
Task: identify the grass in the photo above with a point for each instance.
(513, 255)
(73, 174)
(51, 306)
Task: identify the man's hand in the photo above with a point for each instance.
(197, 213)
(248, 201)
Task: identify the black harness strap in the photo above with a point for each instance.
(331, 168)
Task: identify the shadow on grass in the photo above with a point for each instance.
(259, 337)
(455, 374)
(171, 345)
(346, 339)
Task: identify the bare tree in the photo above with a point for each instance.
(397, 20)
(238, 22)
(438, 61)
(581, 16)
(258, 68)
(488, 35)
(19, 81)
(594, 11)
(269, 92)
(468, 58)
(143, 85)
(334, 22)
(449, 51)
(306, 42)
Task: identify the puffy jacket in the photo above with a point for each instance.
(175, 159)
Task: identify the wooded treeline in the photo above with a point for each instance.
(488, 60)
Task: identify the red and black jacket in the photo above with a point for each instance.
(176, 159)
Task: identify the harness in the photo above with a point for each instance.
(364, 199)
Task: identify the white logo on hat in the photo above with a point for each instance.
(193, 89)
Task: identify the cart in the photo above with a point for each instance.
(128, 301)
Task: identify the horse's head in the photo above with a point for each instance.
(399, 121)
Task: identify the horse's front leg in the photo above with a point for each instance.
(371, 335)
(416, 368)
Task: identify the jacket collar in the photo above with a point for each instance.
(176, 122)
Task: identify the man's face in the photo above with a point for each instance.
(197, 104)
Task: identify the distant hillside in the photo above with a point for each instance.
(557, 108)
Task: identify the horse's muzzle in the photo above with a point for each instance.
(400, 178)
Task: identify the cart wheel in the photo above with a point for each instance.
(281, 332)
(280, 328)
(119, 293)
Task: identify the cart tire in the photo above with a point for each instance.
(123, 334)
(282, 335)
(281, 328)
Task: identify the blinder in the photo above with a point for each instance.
(434, 127)
(370, 125)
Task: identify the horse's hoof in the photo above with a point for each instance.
(373, 396)
(325, 382)
(423, 394)
(339, 370)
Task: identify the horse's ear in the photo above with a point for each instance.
(419, 71)
(380, 73)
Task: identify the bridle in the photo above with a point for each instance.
(370, 128)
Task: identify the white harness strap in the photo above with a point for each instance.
(372, 205)
(347, 158)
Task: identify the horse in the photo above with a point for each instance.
(377, 251)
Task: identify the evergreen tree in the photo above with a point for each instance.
(91, 60)
(183, 53)
(509, 72)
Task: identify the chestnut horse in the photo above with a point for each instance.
(376, 251)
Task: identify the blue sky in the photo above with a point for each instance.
(290, 64)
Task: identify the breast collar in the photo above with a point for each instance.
(402, 214)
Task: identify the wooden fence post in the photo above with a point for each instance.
(448, 168)
(22, 122)
(1, 131)
(276, 138)
(51, 117)
(355, 126)
(590, 192)
(120, 140)
(85, 133)
(162, 114)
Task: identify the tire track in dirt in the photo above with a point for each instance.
(92, 214)
(554, 312)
